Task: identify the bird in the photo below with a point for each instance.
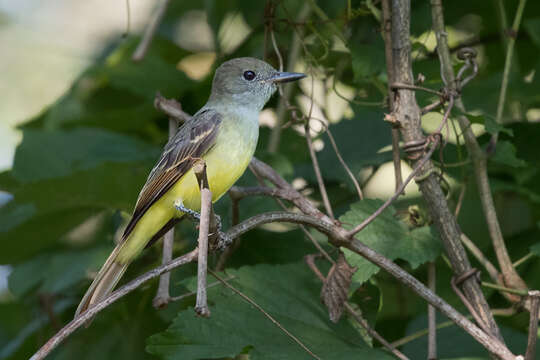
(224, 134)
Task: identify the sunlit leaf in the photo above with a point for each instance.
(388, 236)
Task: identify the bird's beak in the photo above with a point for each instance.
(283, 77)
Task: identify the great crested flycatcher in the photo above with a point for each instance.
(224, 134)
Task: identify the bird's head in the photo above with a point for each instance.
(248, 82)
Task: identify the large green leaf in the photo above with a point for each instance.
(37, 233)
(389, 237)
(55, 272)
(49, 154)
(42, 212)
(359, 141)
(367, 60)
(290, 293)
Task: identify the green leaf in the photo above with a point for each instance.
(367, 60)
(38, 233)
(490, 124)
(359, 141)
(49, 154)
(290, 293)
(505, 154)
(60, 204)
(389, 237)
(155, 72)
(55, 272)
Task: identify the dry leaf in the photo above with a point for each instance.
(335, 290)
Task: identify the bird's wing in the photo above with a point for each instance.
(191, 142)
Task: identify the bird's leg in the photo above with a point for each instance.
(192, 214)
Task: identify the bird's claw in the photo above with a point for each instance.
(179, 205)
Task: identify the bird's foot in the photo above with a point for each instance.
(179, 205)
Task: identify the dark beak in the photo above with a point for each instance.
(283, 77)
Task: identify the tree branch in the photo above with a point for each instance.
(508, 65)
(268, 316)
(150, 31)
(418, 167)
(275, 135)
(335, 234)
(317, 169)
(387, 31)
(124, 290)
(172, 108)
(533, 325)
(312, 217)
(163, 296)
(310, 261)
(432, 314)
(511, 277)
(491, 343)
(201, 306)
(407, 112)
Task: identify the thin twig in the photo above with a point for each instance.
(163, 297)
(533, 325)
(419, 165)
(523, 259)
(317, 245)
(128, 19)
(398, 85)
(432, 106)
(479, 320)
(201, 306)
(477, 155)
(507, 66)
(460, 198)
(432, 315)
(284, 216)
(373, 333)
(235, 219)
(310, 261)
(150, 31)
(270, 317)
(504, 289)
(317, 169)
(387, 31)
(172, 108)
(96, 308)
(344, 164)
(491, 343)
(193, 293)
(482, 259)
(336, 235)
(418, 334)
(275, 135)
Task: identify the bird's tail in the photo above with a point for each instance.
(104, 283)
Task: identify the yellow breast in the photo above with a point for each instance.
(226, 161)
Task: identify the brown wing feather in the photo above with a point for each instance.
(191, 142)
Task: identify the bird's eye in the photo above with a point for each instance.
(249, 75)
